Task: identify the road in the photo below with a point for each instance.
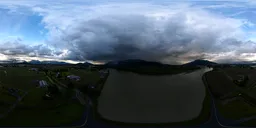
(80, 97)
(214, 120)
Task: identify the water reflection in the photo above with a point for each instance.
(129, 97)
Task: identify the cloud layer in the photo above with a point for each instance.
(16, 47)
(153, 33)
(172, 33)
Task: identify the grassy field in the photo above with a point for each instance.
(250, 123)
(4, 108)
(7, 97)
(235, 71)
(35, 117)
(19, 77)
(236, 109)
(32, 110)
(231, 95)
(34, 99)
(87, 77)
(219, 84)
(251, 92)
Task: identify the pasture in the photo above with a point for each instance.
(20, 77)
(219, 84)
(33, 110)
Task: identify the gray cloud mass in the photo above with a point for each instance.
(16, 47)
(170, 34)
(181, 36)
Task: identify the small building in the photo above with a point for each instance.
(57, 74)
(42, 83)
(73, 77)
(242, 80)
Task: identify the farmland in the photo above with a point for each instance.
(219, 83)
(241, 109)
(28, 107)
(19, 77)
(250, 123)
(38, 117)
(233, 101)
(89, 77)
(235, 72)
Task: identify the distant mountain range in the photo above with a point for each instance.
(200, 63)
(44, 62)
(134, 63)
(148, 67)
(140, 63)
(84, 64)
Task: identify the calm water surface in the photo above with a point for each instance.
(133, 98)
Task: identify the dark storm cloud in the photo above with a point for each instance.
(114, 31)
(142, 37)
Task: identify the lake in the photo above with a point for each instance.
(133, 98)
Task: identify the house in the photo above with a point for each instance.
(57, 74)
(42, 83)
(33, 69)
(242, 80)
(73, 77)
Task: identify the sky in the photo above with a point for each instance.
(98, 31)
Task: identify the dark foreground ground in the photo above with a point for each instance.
(234, 105)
